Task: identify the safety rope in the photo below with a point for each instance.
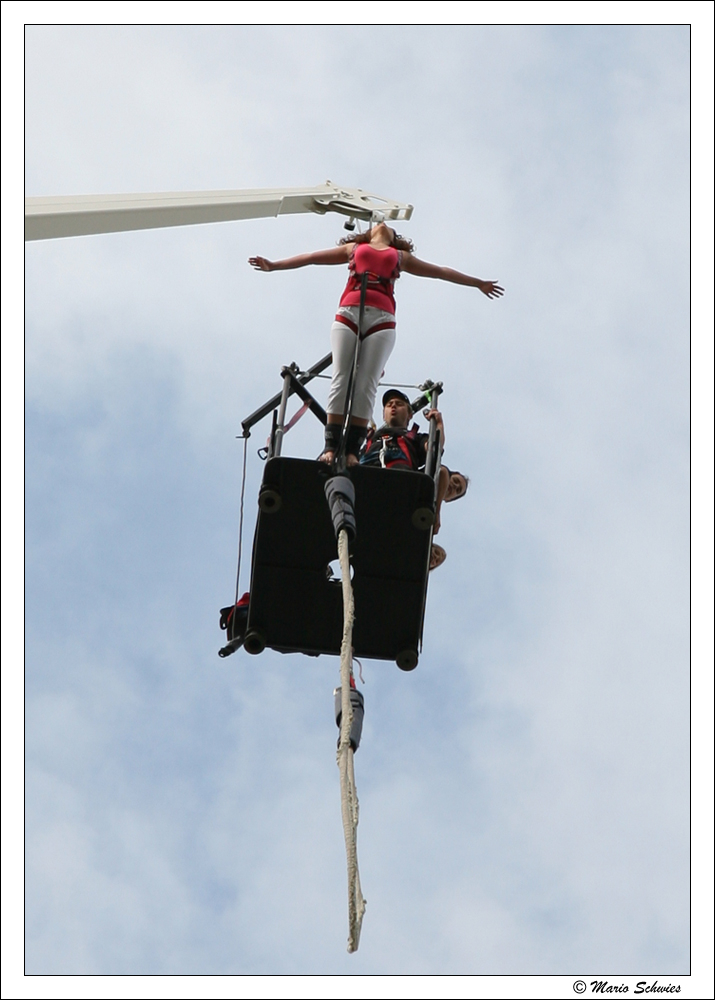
(393, 385)
(296, 417)
(240, 519)
(348, 791)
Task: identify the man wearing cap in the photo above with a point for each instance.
(394, 446)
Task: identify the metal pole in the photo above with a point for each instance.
(281, 416)
(433, 388)
(299, 389)
(433, 443)
(264, 410)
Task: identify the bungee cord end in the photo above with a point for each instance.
(340, 494)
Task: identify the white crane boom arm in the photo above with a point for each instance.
(84, 215)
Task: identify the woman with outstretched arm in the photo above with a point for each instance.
(383, 254)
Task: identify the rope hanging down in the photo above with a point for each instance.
(393, 385)
(348, 791)
(240, 520)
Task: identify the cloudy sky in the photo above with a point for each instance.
(524, 793)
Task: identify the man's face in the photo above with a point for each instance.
(397, 412)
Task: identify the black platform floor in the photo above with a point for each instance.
(295, 607)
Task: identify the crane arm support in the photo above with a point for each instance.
(84, 215)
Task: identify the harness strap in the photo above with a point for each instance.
(401, 436)
(387, 325)
(296, 417)
(375, 282)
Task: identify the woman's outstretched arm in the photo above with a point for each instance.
(413, 265)
(336, 255)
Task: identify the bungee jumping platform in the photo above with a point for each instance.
(295, 603)
(296, 600)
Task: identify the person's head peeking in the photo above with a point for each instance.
(456, 487)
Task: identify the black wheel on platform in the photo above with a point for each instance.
(407, 659)
(269, 501)
(254, 643)
(423, 518)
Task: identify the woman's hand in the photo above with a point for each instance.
(261, 263)
(491, 289)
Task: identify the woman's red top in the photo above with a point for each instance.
(383, 267)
